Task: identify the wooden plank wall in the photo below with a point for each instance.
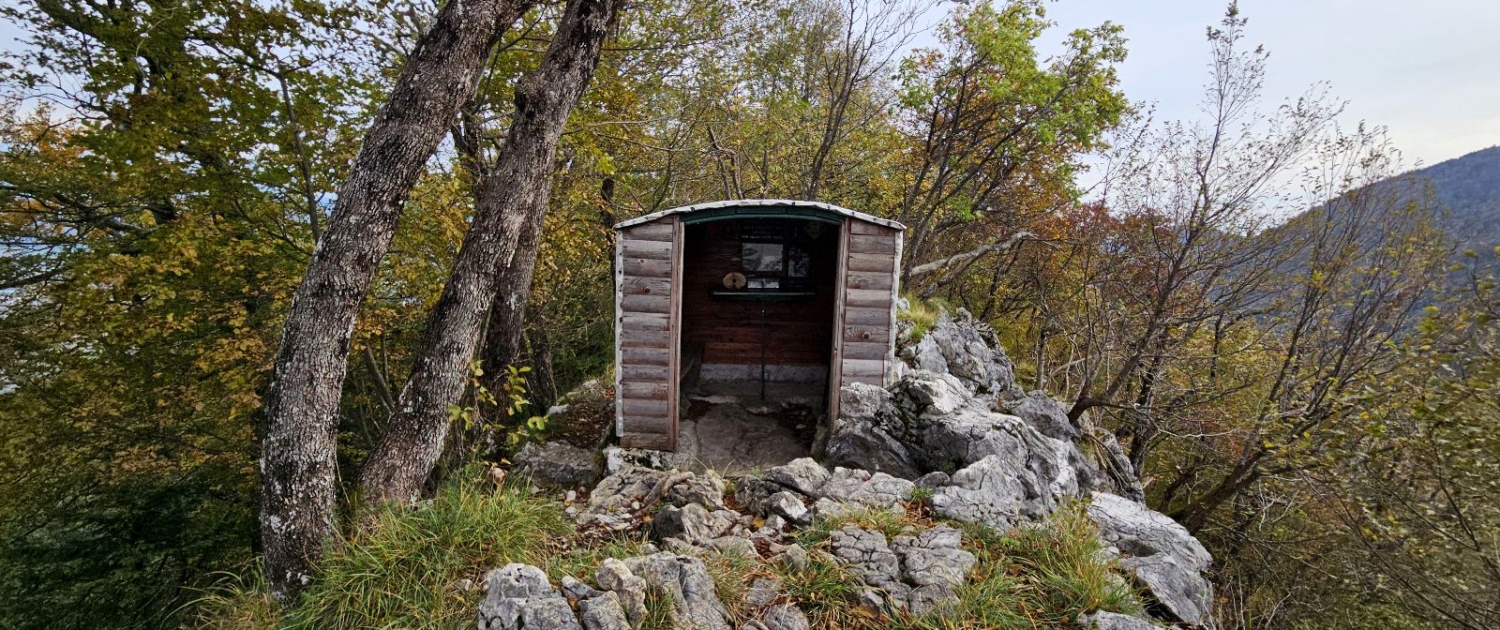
(864, 349)
(648, 281)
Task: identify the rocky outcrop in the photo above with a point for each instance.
(520, 598)
(966, 348)
(557, 464)
(1164, 558)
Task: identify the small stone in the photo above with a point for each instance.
(762, 592)
(789, 506)
(794, 558)
(785, 617)
(1114, 621)
(558, 464)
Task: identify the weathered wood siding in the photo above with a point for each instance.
(648, 286)
(865, 312)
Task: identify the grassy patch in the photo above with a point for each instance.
(237, 602)
(403, 567)
(921, 314)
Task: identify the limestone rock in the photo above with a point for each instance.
(803, 475)
(862, 439)
(706, 489)
(868, 557)
(685, 582)
(935, 565)
(613, 501)
(614, 576)
(794, 557)
(557, 464)
(762, 592)
(788, 505)
(692, 523)
(603, 612)
(1044, 414)
(1114, 621)
(861, 487)
(968, 349)
(1161, 554)
(784, 617)
(520, 598)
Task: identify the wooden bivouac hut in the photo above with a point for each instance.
(759, 290)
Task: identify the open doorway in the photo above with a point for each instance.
(758, 305)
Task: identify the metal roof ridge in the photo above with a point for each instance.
(729, 203)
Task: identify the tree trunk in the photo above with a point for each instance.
(514, 201)
(298, 467)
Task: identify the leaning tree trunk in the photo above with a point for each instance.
(502, 342)
(514, 198)
(298, 467)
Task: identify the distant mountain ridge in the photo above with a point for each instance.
(1468, 188)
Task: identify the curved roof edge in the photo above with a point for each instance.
(760, 203)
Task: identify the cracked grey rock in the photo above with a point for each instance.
(734, 546)
(1161, 555)
(868, 557)
(1114, 621)
(934, 557)
(802, 474)
(794, 557)
(933, 480)
(520, 598)
(576, 590)
(691, 523)
(685, 582)
(603, 612)
(784, 617)
(614, 576)
(706, 490)
(968, 349)
(753, 495)
(861, 487)
(557, 464)
(1044, 414)
(613, 501)
(762, 592)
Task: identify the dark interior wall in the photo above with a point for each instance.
(727, 330)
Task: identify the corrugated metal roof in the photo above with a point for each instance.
(760, 203)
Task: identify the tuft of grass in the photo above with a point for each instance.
(237, 601)
(406, 566)
(1038, 576)
(921, 314)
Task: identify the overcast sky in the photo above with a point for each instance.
(1428, 70)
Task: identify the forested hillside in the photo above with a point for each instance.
(273, 271)
(1469, 187)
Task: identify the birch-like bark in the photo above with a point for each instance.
(298, 467)
(511, 205)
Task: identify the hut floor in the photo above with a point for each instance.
(728, 427)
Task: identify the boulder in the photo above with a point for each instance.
(692, 523)
(869, 558)
(520, 598)
(557, 464)
(1161, 555)
(935, 565)
(802, 474)
(685, 582)
(603, 612)
(1044, 414)
(863, 488)
(615, 576)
